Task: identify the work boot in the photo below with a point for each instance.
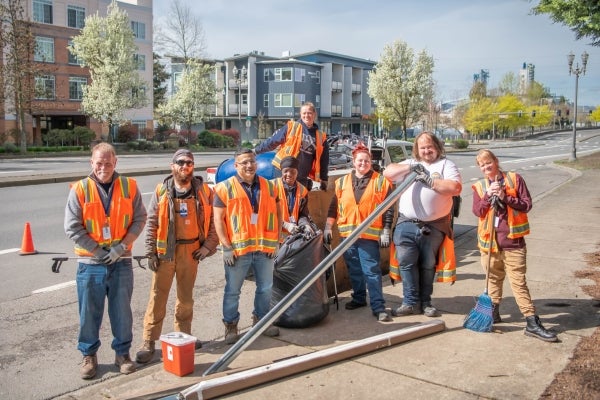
(270, 331)
(231, 332)
(126, 366)
(88, 369)
(496, 313)
(535, 329)
(145, 352)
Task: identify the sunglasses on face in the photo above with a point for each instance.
(181, 163)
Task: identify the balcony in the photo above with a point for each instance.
(356, 89)
(336, 86)
(336, 111)
(235, 85)
(233, 109)
(356, 111)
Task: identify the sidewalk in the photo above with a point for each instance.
(454, 364)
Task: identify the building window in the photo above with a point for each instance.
(266, 101)
(72, 58)
(140, 61)
(283, 100)
(300, 74)
(139, 29)
(266, 75)
(44, 49)
(140, 124)
(42, 11)
(76, 85)
(283, 74)
(75, 17)
(44, 87)
(299, 99)
(318, 101)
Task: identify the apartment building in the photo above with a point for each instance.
(261, 93)
(58, 105)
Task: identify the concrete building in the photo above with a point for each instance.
(57, 106)
(526, 77)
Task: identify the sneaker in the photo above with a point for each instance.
(146, 352)
(406, 310)
(382, 316)
(88, 369)
(126, 366)
(431, 311)
(353, 305)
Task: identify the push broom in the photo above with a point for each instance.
(480, 318)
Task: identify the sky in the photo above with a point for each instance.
(463, 36)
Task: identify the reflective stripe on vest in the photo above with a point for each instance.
(244, 236)
(350, 214)
(94, 215)
(291, 147)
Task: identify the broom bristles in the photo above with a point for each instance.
(480, 318)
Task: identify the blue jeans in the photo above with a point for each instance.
(362, 260)
(234, 279)
(417, 255)
(94, 283)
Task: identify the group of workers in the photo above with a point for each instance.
(248, 216)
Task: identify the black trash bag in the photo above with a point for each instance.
(299, 254)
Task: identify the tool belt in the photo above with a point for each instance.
(186, 241)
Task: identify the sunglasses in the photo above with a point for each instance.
(181, 163)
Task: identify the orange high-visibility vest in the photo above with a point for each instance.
(246, 237)
(518, 223)
(351, 214)
(291, 147)
(301, 193)
(445, 269)
(203, 194)
(119, 217)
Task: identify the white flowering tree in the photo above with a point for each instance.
(106, 45)
(194, 99)
(402, 85)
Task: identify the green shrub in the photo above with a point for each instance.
(10, 148)
(460, 144)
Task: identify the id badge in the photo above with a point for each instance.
(106, 232)
(254, 219)
(496, 221)
(183, 211)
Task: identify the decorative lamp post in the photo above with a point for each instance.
(576, 71)
(240, 76)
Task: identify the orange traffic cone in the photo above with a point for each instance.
(27, 243)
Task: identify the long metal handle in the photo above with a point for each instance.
(305, 283)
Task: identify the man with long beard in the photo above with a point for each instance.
(180, 233)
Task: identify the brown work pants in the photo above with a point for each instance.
(512, 263)
(184, 268)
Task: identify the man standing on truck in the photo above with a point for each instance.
(303, 140)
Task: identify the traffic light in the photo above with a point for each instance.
(533, 114)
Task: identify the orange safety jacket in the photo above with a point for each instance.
(518, 223)
(119, 217)
(247, 237)
(351, 214)
(301, 193)
(291, 147)
(162, 230)
(445, 269)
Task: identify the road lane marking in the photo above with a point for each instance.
(9, 251)
(54, 287)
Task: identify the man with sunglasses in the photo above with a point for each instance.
(248, 220)
(180, 232)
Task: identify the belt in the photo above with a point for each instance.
(186, 241)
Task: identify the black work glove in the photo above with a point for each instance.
(323, 186)
(153, 262)
(418, 168)
(425, 180)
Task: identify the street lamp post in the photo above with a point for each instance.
(240, 76)
(576, 71)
